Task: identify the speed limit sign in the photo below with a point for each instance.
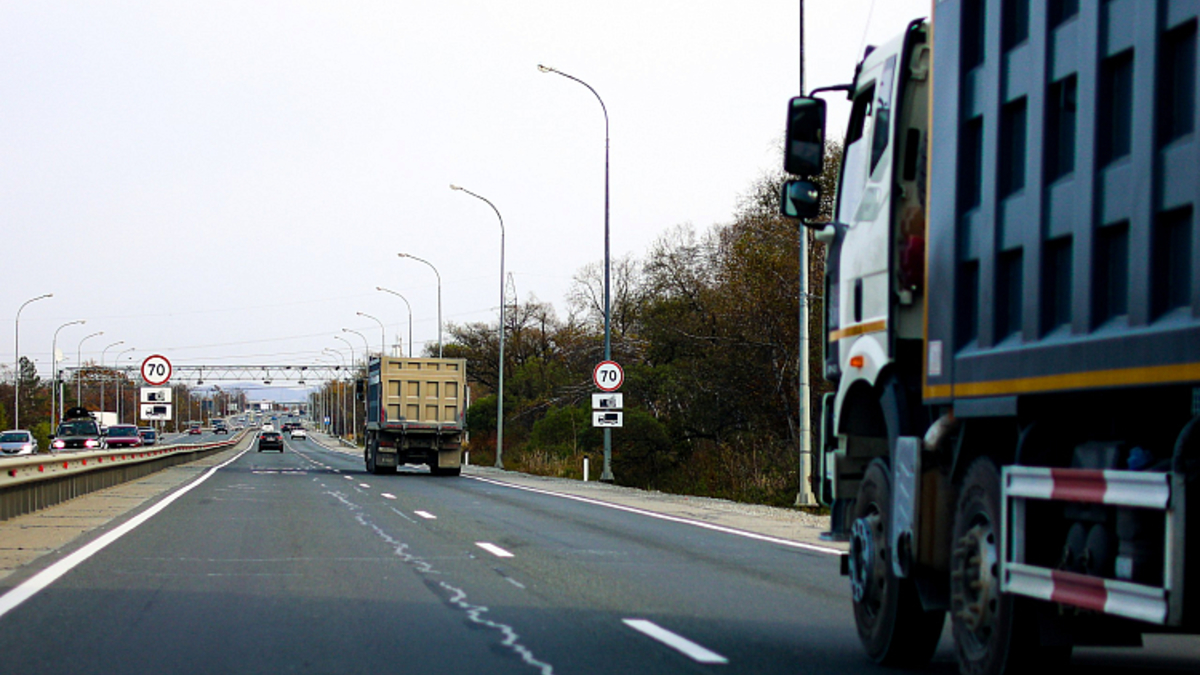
(608, 376)
(156, 370)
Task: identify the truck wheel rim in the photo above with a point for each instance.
(976, 585)
(863, 561)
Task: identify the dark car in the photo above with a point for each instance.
(270, 440)
(149, 435)
(78, 431)
(123, 436)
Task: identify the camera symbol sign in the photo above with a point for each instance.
(608, 376)
(156, 370)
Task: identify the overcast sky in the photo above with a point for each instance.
(228, 182)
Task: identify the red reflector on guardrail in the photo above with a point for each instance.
(12, 472)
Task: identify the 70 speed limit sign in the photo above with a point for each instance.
(608, 376)
(156, 370)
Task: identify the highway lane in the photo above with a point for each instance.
(301, 562)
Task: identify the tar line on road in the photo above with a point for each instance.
(12, 599)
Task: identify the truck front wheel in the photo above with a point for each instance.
(893, 627)
(994, 633)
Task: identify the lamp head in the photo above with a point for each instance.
(545, 69)
(454, 187)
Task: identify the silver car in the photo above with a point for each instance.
(18, 442)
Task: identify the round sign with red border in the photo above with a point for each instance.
(608, 376)
(156, 370)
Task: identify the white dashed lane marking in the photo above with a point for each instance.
(388, 495)
(426, 515)
(674, 641)
(493, 549)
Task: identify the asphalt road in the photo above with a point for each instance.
(300, 562)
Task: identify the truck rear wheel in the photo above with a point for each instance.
(373, 465)
(994, 633)
(893, 627)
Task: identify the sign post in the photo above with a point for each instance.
(608, 377)
(156, 398)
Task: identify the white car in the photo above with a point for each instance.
(268, 427)
(18, 442)
(298, 432)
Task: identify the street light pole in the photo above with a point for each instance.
(343, 392)
(381, 288)
(382, 334)
(500, 397)
(17, 360)
(606, 476)
(118, 365)
(79, 368)
(439, 280)
(54, 375)
(353, 403)
(103, 372)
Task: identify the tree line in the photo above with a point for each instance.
(706, 326)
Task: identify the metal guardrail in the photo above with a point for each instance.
(32, 482)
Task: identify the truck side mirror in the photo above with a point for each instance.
(800, 199)
(804, 154)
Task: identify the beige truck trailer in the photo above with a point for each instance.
(415, 414)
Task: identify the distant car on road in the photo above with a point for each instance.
(18, 442)
(124, 436)
(268, 427)
(270, 440)
(298, 432)
(194, 430)
(149, 435)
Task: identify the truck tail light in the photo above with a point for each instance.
(857, 361)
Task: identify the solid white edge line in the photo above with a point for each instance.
(663, 516)
(493, 549)
(677, 642)
(41, 580)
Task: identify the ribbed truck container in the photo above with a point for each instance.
(1013, 329)
(415, 414)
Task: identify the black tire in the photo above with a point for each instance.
(372, 452)
(893, 627)
(994, 634)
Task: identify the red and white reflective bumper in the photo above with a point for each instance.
(1138, 489)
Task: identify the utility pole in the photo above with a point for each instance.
(805, 495)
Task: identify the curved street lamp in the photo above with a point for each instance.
(79, 367)
(500, 397)
(382, 333)
(342, 402)
(439, 280)
(17, 360)
(353, 403)
(607, 474)
(54, 375)
(385, 290)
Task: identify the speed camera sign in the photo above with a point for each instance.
(156, 370)
(608, 376)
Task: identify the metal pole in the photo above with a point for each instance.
(354, 376)
(17, 360)
(439, 280)
(606, 475)
(500, 397)
(380, 288)
(118, 365)
(79, 368)
(353, 408)
(804, 497)
(54, 390)
(103, 372)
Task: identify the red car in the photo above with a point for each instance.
(123, 436)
